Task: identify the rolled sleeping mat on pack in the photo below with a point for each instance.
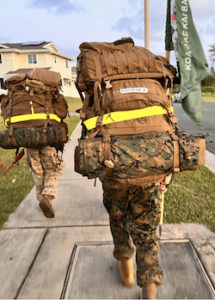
(49, 78)
(143, 155)
(34, 138)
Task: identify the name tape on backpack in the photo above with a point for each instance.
(134, 90)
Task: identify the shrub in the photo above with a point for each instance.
(208, 89)
(208, 81)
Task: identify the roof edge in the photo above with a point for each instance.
(62, 55)
(45, 50)
(3, 46)
(51, 43)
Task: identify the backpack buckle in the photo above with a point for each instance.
(176, 170)
(109, 163)
(99, 121)
(107, 84)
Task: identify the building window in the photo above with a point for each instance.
(55, 59)
(0, 59)
(32, 58)
(67, 64)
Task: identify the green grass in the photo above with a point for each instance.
(11, 194)
(207, 98)
(72, 123)
(190, 199)
(74, 103)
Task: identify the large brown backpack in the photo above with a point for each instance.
(125, 89)
(33, 100)
(128, 102)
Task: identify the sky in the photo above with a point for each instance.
(68, 23)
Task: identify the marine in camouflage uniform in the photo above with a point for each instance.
(141, 167)
(135, 212)
(46, 165)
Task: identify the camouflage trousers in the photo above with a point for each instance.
(46, 166)
(134, 212)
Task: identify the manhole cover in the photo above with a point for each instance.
(94, 274)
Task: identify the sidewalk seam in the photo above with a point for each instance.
(203, 267)
(52, 227)
(68, 273)
(30, 267)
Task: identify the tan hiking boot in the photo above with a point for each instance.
(126, 271)
(46, 206)
(149, 290)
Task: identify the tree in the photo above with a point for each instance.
(212, 71)
(212, 51)
(208, 81)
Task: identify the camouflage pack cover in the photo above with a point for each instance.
(34, 138)
(143, 155)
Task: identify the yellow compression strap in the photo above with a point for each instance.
(162, 208)
(120, 116)
(30, 117)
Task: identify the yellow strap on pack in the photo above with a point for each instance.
(30, 117)
(161, 218)
(162, 207)
(120, 116)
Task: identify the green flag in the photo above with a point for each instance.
(181, 35)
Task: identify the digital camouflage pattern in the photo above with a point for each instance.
(135, 156)
(189, 150)
(33, 138)
(46, 165)
(135, 212)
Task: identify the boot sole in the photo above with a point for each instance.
(47, 211)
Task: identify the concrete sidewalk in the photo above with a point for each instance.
(70, 256)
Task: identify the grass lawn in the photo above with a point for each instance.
(72, 123)
(206, 98)
(74, 103)
(12, 193)
(190, 198)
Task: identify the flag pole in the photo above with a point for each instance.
(168, 55)
(146, 10)
(168, 30)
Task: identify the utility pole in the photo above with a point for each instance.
(146, 11)
(168, 55)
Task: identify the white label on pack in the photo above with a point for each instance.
(134, 90)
